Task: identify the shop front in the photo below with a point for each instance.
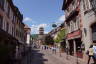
(75, 44)
(7, 47)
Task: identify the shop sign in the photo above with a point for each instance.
(74, 34)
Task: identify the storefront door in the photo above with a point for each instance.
(79, 48)
(94, 32)
(71, 47)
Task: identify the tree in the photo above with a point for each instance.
(60, 36)
(49, 40)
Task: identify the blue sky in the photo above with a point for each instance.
(39, 13)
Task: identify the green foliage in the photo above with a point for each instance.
(34, 36)
(60, 36)
(48, 40)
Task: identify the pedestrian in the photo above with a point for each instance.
(52, 49)
(90, 53)
(67, 52)
(47, 47)
(42, 47)
(55, 49)
(94, 48)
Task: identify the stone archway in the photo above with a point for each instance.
(93, 27)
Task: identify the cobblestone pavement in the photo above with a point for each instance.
(47, 57)
(41, 57)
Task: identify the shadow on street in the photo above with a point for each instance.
(35, 57)
(38, 57)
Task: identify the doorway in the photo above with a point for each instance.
(79, 51)
(93, 27)
(71, 47)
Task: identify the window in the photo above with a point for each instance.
(93, 3)
(2, 4)
(16, 32)
(74, 23)
(68, 25)
(85, 31)
(86, 5)
(73, 4)
(12, 31)
(1, 21)
(7, 27)
(8, 12)
(14, 18)
(78, 22)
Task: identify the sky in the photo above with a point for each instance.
(41, 13)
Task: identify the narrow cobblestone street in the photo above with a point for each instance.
(41, 57)
(46, 57)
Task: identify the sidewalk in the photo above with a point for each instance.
(68, 59)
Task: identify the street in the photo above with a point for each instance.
(38, 56)
(41, 57)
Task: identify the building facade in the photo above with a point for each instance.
(27, 33)
(11, 28)
(80, 24)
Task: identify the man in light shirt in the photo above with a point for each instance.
(94, 48)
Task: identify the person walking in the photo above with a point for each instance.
(52, 48)
(90, 53)
(55, 49)
(94, 48)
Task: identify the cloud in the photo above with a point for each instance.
(27, 19)
(46, 32)
(35, 28)
(42, 25)
(62, 18)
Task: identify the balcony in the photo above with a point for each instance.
(73, 14)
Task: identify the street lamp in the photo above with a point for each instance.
(54, 25)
